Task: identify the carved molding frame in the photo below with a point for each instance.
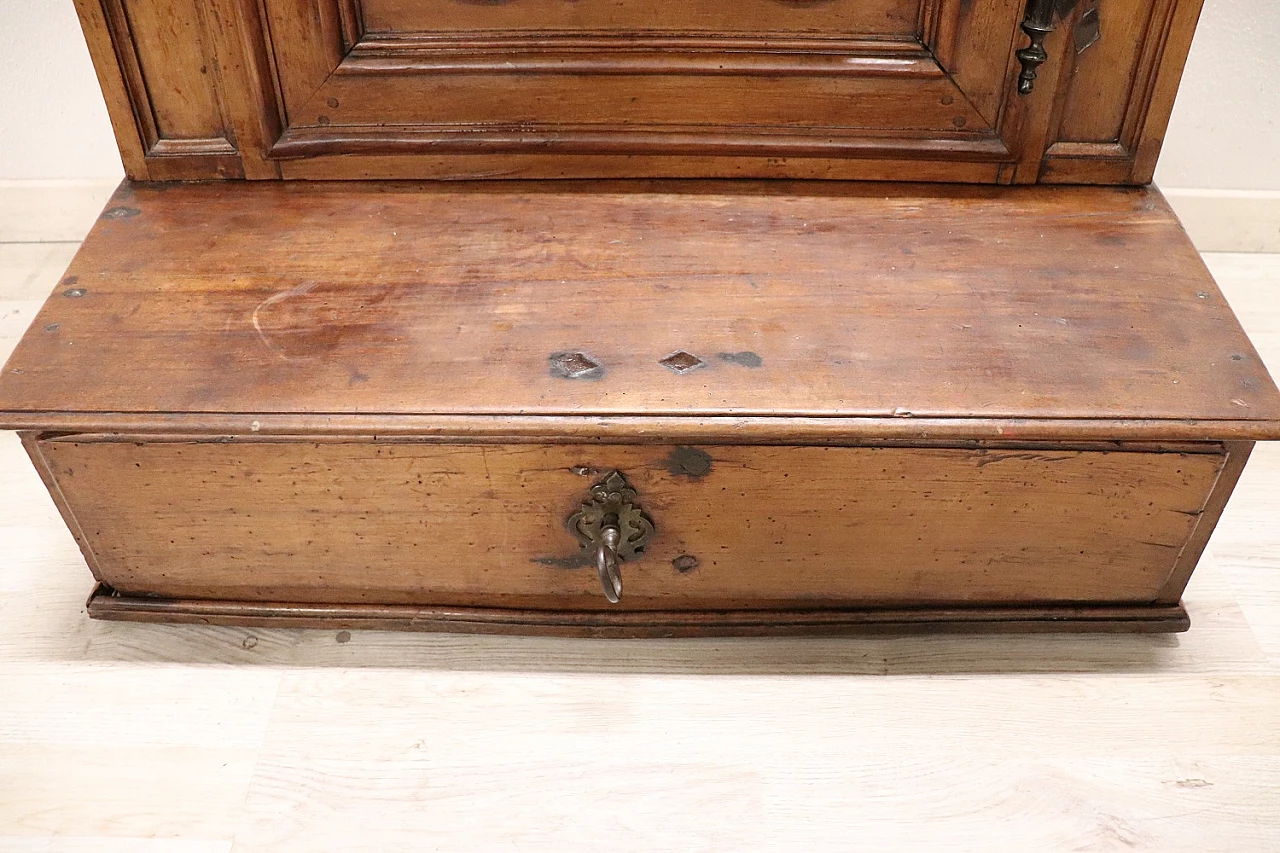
(361, 54)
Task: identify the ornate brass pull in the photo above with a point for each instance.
(615, 527)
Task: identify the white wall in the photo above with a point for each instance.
(53, 123)
(1225, 132)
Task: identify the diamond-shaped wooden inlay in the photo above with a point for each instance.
(682, 362)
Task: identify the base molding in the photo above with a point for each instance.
(1229, 220)
(106, 603)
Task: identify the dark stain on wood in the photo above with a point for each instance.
(685, 563)
(689, 462)
(746, 358)
(580, 560)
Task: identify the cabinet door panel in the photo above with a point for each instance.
(918, 90)
(911, 80)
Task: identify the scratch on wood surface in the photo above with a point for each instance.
(984, 458)
(581, 560)
(298, 290)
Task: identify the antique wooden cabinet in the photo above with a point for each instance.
(344, 351)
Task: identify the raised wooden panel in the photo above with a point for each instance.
(1094, 108)
(761, 79)
(973, 43)
(306, 42)
(1116, 107)
(182, 95)
(171, 78)
(869, 17)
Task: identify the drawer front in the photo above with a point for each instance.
(734, 526)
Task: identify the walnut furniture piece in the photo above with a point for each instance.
(295, 377)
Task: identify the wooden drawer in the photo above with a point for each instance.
(345, 521)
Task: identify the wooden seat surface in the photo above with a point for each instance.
(866, 303)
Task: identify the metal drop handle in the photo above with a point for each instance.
(612, 526)
(607, 564)
(1039, 20)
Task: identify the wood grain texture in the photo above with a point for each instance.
(1163, 88)
(759, 526)
(922, 112)
(783, 785)
(239, 38)
(1095, 105)
(171, 76)
(631, 79)
(859, 301)
(891, 89)
(30, 443)
(837, 431)
(140, 769)
(178, 83)
(1237, 454)
(592, 139)
(1030, 118)
(1121, 94)
(516, 165)
(414, 91)
(306, 45)
(45, 585)
(878, 17)
(973, 43)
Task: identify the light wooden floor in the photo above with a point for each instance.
(149, 738)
